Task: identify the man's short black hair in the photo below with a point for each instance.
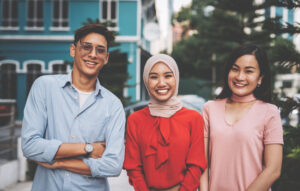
(94, 28)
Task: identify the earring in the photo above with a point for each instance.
(258, 85)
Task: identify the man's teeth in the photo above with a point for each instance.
(92, 63)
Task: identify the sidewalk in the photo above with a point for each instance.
(21, 186)
(116, 184)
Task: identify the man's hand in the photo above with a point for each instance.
(99, 148)
(73, 165)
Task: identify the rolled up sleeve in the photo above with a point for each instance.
(34, 146)
(110, 164)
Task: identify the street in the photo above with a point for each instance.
(116, 184)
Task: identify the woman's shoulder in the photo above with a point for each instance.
(214, 103)
(267, 107)
(140, 114)
(188, 112)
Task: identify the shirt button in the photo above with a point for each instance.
(67, 174)
(73, 137)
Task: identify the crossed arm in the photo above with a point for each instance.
(51, 152)
(65, 161)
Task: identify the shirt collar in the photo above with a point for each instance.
(67, 80)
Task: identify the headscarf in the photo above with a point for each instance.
(171, 106)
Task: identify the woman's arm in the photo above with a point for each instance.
(133, 163)
(204, 176)
(271, 172)
(196, 157)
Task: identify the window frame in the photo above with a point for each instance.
(10, 18)
(35, 19)
(60, 18)
(109, 13)
(13, 83)
(26, 66)
(55, 63)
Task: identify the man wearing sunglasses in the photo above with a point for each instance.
(73, 127)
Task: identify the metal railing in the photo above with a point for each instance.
(7, 129)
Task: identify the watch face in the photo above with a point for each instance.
(88, 148)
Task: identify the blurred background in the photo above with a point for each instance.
(35, 36)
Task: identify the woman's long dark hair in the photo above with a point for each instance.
(263, 92)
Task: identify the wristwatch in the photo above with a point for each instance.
(88, 148)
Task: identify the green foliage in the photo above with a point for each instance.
(284, 53)
(290, 173)
(289, 179)
(231, 23)
(217, 33)
(114, 75)
(183, 15)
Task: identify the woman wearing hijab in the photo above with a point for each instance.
(164, 141)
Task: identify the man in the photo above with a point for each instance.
(68, 118)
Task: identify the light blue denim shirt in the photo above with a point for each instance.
(52, 116)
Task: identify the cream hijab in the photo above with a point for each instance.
(171, 106)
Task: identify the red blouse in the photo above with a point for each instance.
(163, 152)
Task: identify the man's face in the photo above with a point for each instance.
(90, 55)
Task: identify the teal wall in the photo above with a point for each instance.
(131, 50)
(35, 50)
(127, 18)
(81, 11)
(290, 20)
(49, 50)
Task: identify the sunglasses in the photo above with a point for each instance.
(86, 48)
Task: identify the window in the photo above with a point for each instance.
(290, 21)
(35, 14)
(60, 12)
(59, 68)
(9, 13)
(109, 10)
(33, 72)
(8, 77)
(268, 12)
(287, 83)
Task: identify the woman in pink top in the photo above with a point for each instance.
(243, 132)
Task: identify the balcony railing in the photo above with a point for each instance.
(7, 129)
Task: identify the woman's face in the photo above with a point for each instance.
(161, 82)
(244, 76)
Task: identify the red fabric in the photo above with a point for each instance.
(163, 152)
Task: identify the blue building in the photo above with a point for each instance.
(35, 36)
(286, 16)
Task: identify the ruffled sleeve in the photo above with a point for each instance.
(133, 162)
(196, 162)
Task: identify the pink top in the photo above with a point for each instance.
(236, 151)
